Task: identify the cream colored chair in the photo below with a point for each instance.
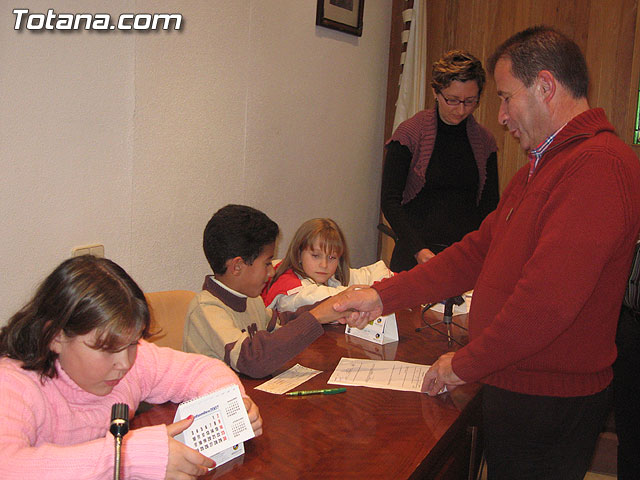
(168, 311)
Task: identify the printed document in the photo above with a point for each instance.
(393, 375)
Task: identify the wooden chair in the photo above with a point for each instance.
(168, 311)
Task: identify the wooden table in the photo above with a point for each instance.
(365, 432)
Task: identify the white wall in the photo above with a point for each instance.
(133, 140)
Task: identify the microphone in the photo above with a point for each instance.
(448, 308)
(119, 428)
(447, 318)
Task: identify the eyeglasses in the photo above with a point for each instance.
(454, 102)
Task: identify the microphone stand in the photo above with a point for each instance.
(447, 319)
(118, 428)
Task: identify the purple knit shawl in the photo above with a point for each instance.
(418, 134)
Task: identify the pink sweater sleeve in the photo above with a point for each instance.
(26, 457)
(164, 374)
(46, 432)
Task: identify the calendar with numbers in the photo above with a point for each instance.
(221, 424)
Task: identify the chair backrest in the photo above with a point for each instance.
(386, 241)
(168, 311)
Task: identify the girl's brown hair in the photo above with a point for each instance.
(331, 240)
(81, 295)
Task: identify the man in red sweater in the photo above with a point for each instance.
(548, 268)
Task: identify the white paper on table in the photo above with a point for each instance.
(389, 374)
(457, 309)
(288, 379)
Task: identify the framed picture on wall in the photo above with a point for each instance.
(343, 15)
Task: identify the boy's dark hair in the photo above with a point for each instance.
(237, 231)
(543, 48)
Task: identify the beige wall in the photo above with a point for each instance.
(133, 140)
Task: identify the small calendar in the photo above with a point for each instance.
(221, 424)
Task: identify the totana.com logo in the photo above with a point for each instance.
(97, 21)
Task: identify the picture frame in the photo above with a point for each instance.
(343, 15)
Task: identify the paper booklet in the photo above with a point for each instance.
(221, 424)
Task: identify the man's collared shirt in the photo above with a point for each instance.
(536, 154)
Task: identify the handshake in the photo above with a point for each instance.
(356, 307)
(360, 304)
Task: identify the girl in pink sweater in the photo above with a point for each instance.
(72, 352)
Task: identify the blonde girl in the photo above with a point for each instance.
(316, 266)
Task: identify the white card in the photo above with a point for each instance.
(220, 426)
(382, 330)
(288, 379)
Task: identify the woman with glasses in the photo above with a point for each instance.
(440, 177)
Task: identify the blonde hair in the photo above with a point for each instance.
(330, 239)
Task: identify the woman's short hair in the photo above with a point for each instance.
(457, 65)
(331, 240)
(82, 294)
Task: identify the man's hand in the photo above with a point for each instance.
(359, 305)
(440, 375)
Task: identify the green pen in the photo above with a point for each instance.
(326, 391)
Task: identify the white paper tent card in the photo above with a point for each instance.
(382, 330)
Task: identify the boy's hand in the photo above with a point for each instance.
(356, 306)
(324, 311)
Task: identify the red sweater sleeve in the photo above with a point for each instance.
(448, 274)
